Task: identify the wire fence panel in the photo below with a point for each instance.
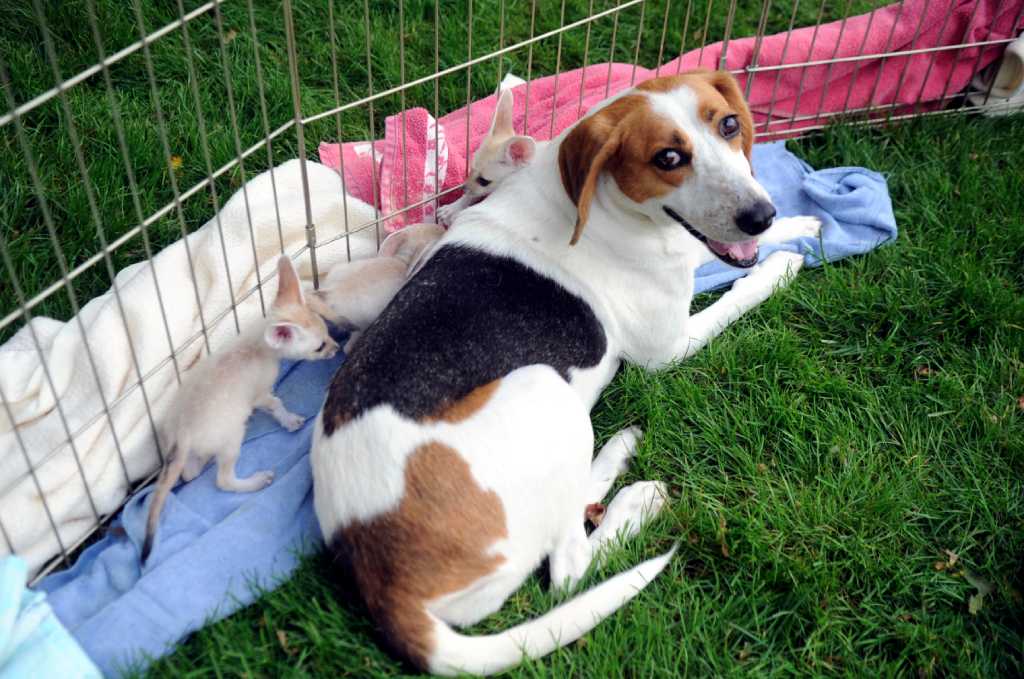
(148, 186)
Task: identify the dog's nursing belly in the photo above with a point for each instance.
(467, 318)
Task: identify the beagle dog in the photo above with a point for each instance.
(454, 450)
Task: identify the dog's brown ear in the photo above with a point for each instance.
(730, 91)
(582, 156)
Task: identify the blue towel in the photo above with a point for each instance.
(33, 643)
(213, 547)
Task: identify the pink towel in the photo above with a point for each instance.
(404, 169)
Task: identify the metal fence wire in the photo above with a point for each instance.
(129, 126)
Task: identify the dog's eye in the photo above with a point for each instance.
(670, 159)
(483, 182)
(729, 127)
(321, 347)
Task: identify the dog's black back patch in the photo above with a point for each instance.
(465, 319)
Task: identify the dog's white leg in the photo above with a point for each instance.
(745, 294)
(611, 462)
(631, 508)
(286, 418)
(571, 558)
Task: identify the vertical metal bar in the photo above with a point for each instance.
(207, 158)
(835, 52)
(661, 43)
(373, 126)
(723, 57)
(782, 59)
(932, 58)
(27, 315)
(265, 118)
(858, 64)
(810, 57)
(122, 143)
(529, 67)
(967, 32)
(981, 50)
(586, 56)
(611, 50)
(337, 123)
(639, 37)
(1013, 30)
(218, 21)
(501, 37)
(469, 80)
(558, 71)
(300, 134)
(682, 38)
(758, 40)
(161, 128)
(437, 101)
(76, 145)
(7, 538)
(888, 48)
(704, 34)
(401, 98)
(32, 470)
(906, 64)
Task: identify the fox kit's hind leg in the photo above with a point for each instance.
(288, 419)
(226, 479)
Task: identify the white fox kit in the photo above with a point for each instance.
(209, 411)
(501, 153)
(355, 293)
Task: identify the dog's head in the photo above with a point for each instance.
(677, 146)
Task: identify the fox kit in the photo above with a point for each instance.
(501, 153)
(354, 293)
(207, 416)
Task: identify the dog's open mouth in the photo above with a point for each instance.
(742, 255)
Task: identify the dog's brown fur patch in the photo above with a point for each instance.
(437, 541)
(467, 406)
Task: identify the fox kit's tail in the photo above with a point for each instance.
(176, 457)
(454, 653)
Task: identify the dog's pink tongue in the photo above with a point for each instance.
(741, 251)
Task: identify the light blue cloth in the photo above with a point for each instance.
(212, 547)
(33, 643)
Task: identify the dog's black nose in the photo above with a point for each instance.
(756, 218)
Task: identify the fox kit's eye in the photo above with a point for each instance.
(483, 182)
(321, 347)
(729, 127)
(670, 159)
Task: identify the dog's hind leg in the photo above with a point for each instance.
(611, 462)
(632, 507)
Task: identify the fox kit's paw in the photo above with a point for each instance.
(446, 214)
(293, 422)
(262, 479)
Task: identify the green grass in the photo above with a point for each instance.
(823, 453)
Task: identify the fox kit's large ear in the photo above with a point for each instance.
(582, 156)
(501, 126)
(518, 151)
(281, 334)
(289, 290)
(393, 243)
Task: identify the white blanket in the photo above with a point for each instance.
(34, 403)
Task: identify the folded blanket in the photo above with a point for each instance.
(33, 400)
(33, 643)
(213, 546)
(401, 173)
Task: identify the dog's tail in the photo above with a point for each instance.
(169, 476)
(454, 653)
